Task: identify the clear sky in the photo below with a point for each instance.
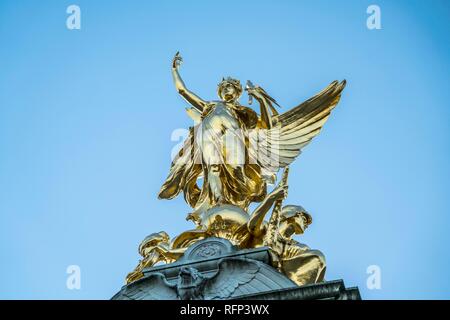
(86, 118)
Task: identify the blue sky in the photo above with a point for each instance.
(86, 118)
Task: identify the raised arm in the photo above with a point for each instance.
(255, 223)
(189, 96)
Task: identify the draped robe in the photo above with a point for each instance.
(220, 143)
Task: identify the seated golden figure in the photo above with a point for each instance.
(150, 256)
(296, 260)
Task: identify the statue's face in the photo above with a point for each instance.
(229, 92)
(298, 223)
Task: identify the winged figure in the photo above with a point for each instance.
(236, 151)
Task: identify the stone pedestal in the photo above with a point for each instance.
(212, 269)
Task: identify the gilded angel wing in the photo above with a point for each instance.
(279, 146)
(153, 287)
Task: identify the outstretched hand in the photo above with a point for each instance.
(177, 60)
(280, 192)
(254, 91)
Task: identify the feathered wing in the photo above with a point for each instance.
(239, 277)
(153, 287)
(233, 273)
(293, 130)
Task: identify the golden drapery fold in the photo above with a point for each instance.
(218, 144)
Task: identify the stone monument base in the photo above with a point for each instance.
(213, 269)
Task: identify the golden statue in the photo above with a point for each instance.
(227, 162)
(149, 254)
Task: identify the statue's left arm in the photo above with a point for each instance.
(266, 104)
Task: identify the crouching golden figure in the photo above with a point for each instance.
(227, 162)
